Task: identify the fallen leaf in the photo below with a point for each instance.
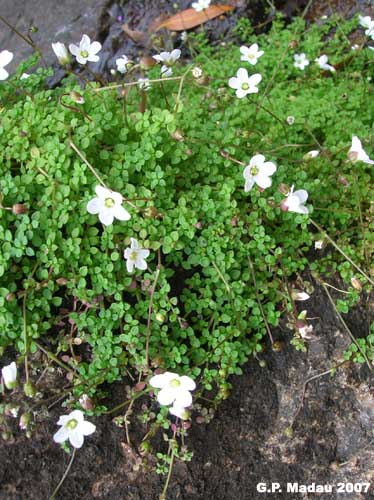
(189, 18)
(136, 36)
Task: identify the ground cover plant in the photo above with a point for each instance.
(156, 229)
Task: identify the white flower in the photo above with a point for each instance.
(357, 153)
(295, 202)
(168, 59)
(250, 54)
(310, 155)
(62, 53)
(5, 58)
(24, 76)
(318, 245)
(305, 331)
(258, 171)
(298, 295)
(244, 84)
(180, 412)
(174, 389)
(371, 48)
(322, 63)
(123, 63)
(368, 23)
(300, 61)
(290, 120)
(197, 72)
(144, 84)
(86, 51)
(135, 256)
(108, 204)
(74, 428)
(201, 5)
(355, 47)
(9, 374)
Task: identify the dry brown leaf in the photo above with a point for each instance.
(189, 18)
(136, 36)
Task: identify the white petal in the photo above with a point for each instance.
(103, 192)
(92, 58)
(257, 161)
(268, 168)
(76, 415)
(244, 50)
(134, 244)
(74, 49)
(5, 57)
(3, 74)
(81, 59)
(166, 396)
(85, 43)
(106, 216)
(234, 82)
(249, 183)
(255, 79)
(95, 48)
(183, 398)
(242, 74)
(76, 438)
(263, 181)
(158, 58)
(121, 213)
(242, 93)
(64, 419)
(95, 205)
(143, 253)
(161, 380)
(187, 383)
(61, 435)
(302, 195)
(86, 428)
(175, 54)
(180, 412)
(130, 265)
(140, 264)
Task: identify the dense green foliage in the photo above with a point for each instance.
(187, 205)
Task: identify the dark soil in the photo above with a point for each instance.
(249, 441)
(265, 431)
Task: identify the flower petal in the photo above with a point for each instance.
(86, 428)
(106, 216)
(263, 181)
(254, 79)
(121, 213)
(159, 381)
(242, 74)
(183, 398)
(74, 49)
(167, 395)
(76, 438)
(85, 43)
(234, 82)
(242, 93)
(94, 206)
(249, 183)
(95, 48)
(301, 194)
(140, 264)
(130, 265)
(257, 161)
(3, 74)
(187, 383)
(61, 435)
(268, 168)
(5, 57)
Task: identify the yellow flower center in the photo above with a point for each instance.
(133, 255)
(245, 86)
(109, 202)
(254, 170)
(175, 383)
(84, 53)
(72, 424)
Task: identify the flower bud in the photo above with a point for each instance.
(310, 155)
(61, 281)
(86, 402)
(147, 62)
(10, 297)
(19, 208)
(29, 389)
(77, 97)
(356, 284)
(160, 317)
(25, 420)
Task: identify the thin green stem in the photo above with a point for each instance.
(25, 338)
(258, 299)
(57, 361)
(84, 159)
(64, 476)
(341, 251)
(132, 84)
(346, 326)
(150, 309)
